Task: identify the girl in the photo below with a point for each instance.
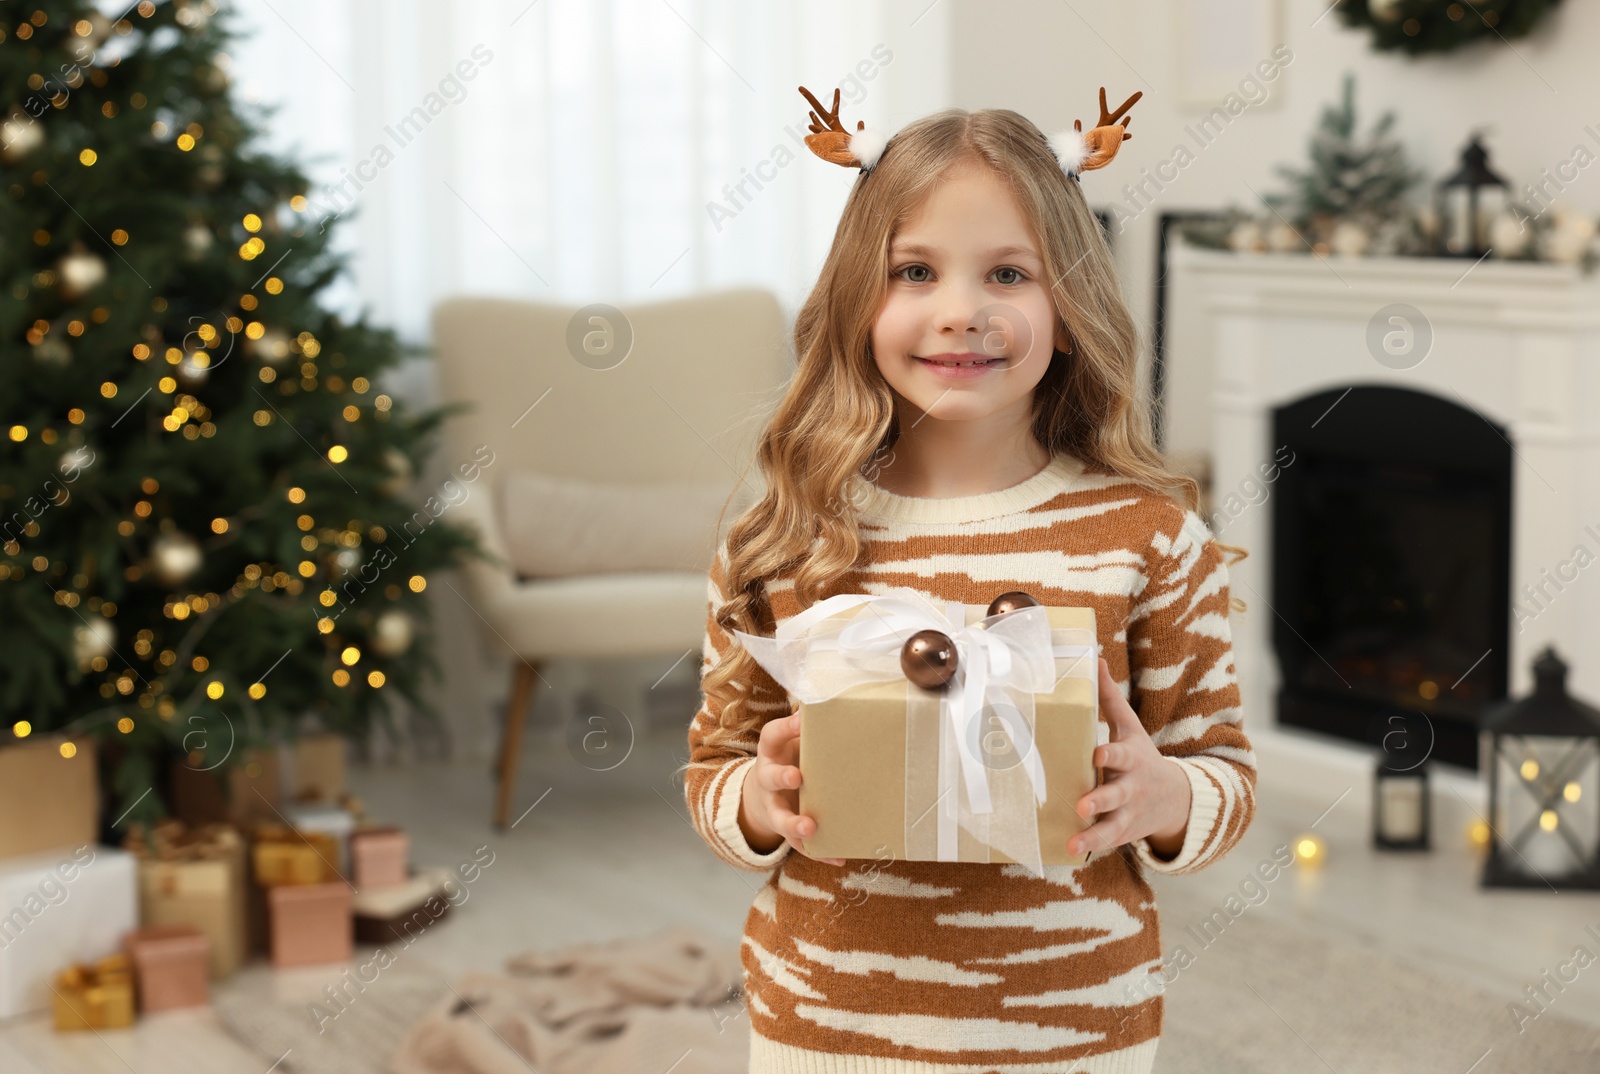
(965, 420)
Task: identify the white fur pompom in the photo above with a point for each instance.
(867, 145)
(1071, 149)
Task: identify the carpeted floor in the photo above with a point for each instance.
(1266, 997)
(1262, 999)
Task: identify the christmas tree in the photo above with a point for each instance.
(1359, 180)
(207, 542)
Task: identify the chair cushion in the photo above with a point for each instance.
(559, 526)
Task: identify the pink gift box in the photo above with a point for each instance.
(310, 923)
(171, 966)
(379, 857)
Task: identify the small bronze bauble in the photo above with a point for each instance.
(929, 659)
(1010, 602)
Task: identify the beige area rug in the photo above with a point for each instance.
(1264, 998)
(636, 1005)
(1267, 997)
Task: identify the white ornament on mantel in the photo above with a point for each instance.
(1349, 239)
(1281, 238)
(1508, 236)
(1246, 238)
(1517, 342)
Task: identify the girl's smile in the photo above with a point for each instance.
(959, 366)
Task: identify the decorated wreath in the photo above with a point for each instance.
(1418, 26)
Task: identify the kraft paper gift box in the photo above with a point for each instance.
(198, 877)
(310, 923)
(60, 907)
(400, 912)
(282, 855)
(59, 796)
(171, 966)
(316, 769)
(988, 768)
(242, 794)
(98, 996)
(378, 857)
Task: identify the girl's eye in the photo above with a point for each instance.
(905, 274)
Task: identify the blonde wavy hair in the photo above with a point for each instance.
(838, 413)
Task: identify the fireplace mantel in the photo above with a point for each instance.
(1518, 343)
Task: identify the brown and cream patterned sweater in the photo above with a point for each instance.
(923, 967)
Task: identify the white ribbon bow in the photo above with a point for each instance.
(1012, 652)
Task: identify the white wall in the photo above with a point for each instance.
(1535, 98)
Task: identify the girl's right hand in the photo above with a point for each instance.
(769, 807)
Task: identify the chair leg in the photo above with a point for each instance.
(523, 676)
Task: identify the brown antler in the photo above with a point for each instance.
(1106, 137)
(829, 139)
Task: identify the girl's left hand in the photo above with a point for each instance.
(1144, 794)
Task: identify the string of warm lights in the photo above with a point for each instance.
(262, 376)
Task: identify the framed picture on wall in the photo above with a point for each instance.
(1220, 45)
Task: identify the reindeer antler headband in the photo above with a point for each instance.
(1076, 150)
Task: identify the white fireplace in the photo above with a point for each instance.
(1516, 343)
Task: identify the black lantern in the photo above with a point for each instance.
(1401, 806)
(1469, 201)
(1544, 786)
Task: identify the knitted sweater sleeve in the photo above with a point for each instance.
(1185, 689)
(715, 779)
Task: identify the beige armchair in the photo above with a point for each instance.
(684, 405)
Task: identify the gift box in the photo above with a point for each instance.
(196, 877)
(401, 911)
(309, 923)
(282, 855)
(316, 773)
(332, 821)
(171, 966)
(96, 996)
(984, 762)
(58, 794)
(243, 794)
(379, 857)
(60, 907)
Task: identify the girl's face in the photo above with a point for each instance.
(967, 285)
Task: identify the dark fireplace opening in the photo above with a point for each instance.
(1391, 576)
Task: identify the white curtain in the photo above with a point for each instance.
(577, 150)
(572, 151)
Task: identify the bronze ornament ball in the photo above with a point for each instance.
(1010, 602)
(929, 659)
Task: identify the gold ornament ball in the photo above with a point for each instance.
(197, 239)
(272, 347)
(175, 556)
(392, 633)
(20, 135)
(400, 472)
(344, 561)
(191, 374)
(78, 459)
(52, 351)
(92, 639)
(929, 659)
(81, 272)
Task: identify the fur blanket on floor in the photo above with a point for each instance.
(634, 1006)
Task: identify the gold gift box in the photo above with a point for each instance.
(853, 760)
(195, 876)
(283, 856)
(97, 996)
